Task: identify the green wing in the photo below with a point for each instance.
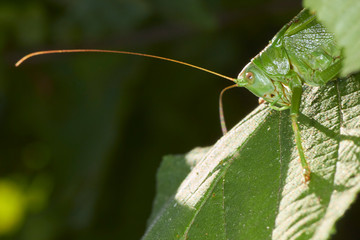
(311, 49)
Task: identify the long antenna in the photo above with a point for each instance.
(120, 52)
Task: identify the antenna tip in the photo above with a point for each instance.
(18, 63)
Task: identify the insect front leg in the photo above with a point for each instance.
(278, 108)
(294, 113)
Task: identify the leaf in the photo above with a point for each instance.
(341, 17)
(249, 184)
(171, 173)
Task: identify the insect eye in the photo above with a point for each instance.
(250, 77)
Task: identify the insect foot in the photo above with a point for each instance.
(261, 100)
(307, 174)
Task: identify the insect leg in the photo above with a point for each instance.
(261, 100)
(273, 106)
(280, 95)
(278, 108)
(294, 113)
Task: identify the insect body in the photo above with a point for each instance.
(302, 52)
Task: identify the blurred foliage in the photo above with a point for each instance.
(11, 206)
(82, 135)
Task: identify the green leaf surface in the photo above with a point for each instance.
(249, 184)
(174, 169)
(343, 19)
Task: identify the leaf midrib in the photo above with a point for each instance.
(222, 175)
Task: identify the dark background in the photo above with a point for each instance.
(82, 135)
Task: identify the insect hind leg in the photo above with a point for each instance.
(294, 113)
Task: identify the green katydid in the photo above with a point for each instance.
(302, 52)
